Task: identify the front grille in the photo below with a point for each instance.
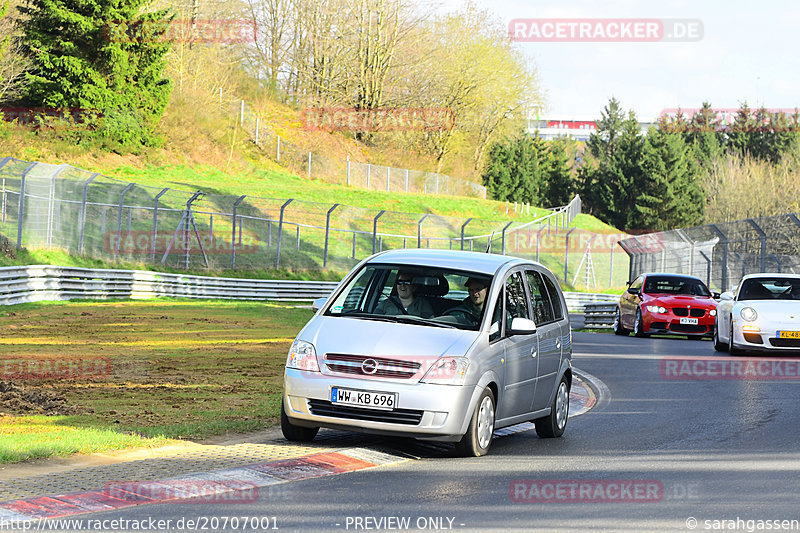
(688, 328)
(410, 417)
(685, 311)
(785, 343)
(386, 368)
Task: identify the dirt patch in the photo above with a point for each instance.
(6, 249)
(18, 400)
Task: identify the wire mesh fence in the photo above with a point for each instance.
(720, 254)
(362, 175)
(45, 206)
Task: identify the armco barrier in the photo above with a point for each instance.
(42, 283)
(38, 283)
(600, 315)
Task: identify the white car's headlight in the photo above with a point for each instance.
(656, 309)
(748, 313)
(302, 356)
(447, 371)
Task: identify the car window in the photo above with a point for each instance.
(516, 299)
(770, 289)
(675, 285)
(555, 298)
(496, 327)
(637, 283)
(540, 299)
(413, 293)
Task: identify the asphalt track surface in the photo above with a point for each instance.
(668, 447)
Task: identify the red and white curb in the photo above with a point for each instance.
(240, 485)
(235, 485)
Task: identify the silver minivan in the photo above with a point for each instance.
(433, 344)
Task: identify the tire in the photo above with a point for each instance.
(718, 346)
(618, 329)
(553, 425)
(295, 433)
(731, 348)
(638, 326)
(478, 438)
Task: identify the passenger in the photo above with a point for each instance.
(406, 300)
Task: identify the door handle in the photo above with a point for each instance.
(558, 343)
(533, 352)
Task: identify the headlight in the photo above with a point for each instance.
(447, 371)
(302, 356)
(748, 313)
(713, 312)
(656, 309)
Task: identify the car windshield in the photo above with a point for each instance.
(770, 289)
(675, 285)
(434, 297)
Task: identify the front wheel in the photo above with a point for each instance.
(638, 325)
(295, 433)
(478, 438)
(618, 329)
(731, 347)
(553, 425)
(718, 345)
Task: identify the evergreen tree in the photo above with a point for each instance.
(497, 176)
(99, 55)
(559, 187)
(669, 194)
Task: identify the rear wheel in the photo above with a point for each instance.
(718, 346)
(478, 438)
(638, 325)
(553, 425)
(295, 433)
(618, 329)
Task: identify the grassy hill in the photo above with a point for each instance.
(205, 150)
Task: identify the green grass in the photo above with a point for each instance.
(178, 370)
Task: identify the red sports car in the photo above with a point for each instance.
(666, 303)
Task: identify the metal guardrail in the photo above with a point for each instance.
(38, 283)
(600, 315)
(47, 283)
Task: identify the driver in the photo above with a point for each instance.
(474, 303)
(406, 301)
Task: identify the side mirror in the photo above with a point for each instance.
(317, 304)
(715, 295)
(726, 296)
(522, 326)
(633, 290)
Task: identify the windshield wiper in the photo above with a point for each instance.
(411, 319)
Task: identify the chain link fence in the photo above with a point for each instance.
(720, 254)
(45, 206)
(362, 175)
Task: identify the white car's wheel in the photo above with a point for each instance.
(732, 347)
(718, 345)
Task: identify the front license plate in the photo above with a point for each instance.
(360, 398)
(789, 334)
(692, 321)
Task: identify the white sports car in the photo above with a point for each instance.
(763, 314)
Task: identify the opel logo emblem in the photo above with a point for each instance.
(369, 366)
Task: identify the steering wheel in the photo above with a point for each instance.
(464, 312)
